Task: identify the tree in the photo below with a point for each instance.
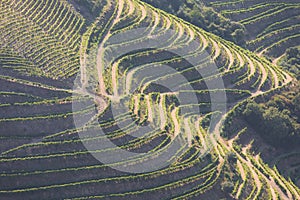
(277, 126)
(253, 114)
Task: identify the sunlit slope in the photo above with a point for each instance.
(45, 32)
(50, 160)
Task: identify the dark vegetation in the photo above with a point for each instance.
(204, 17)
(271, 26)
(231, 174)
(273, 121)
(276, 120)
(291, 61)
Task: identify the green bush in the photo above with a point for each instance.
(272, 121)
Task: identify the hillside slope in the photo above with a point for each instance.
(272, 26)
(57, 69)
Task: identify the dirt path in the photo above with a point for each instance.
(114, 79)
(251, 167)
(204, 42)
(275, 77)
(260, 54)
(168, 23)
(188, 131)
(131, 8)
(119, 13)
(214, 138)
(83, 74)
(144, 12)
(290, 196)
(115, 65)
(241, 60)
(243, 175)
(162, 113)
(191, 33)
(101, 50)
(176, 122)
(252, 67)
(156, 22)
(101, 103)
(275, 61)
(180, 31)
(217, 49)
(288, 78)
(83, 55)
(231, 58)
(271, 182)
(256, 177)
(128, 81)
(274, 196)
(150, 113)
(136, 105)
(217, 142)
(100, 68)
(128, 11)
(241, 169)
(158, 27)
(275, 186)
(200, 134)
(264, 75)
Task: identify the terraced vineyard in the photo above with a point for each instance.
(272, 26)
(65, 84)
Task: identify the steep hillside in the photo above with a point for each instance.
(272, 26)
(128, 106)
